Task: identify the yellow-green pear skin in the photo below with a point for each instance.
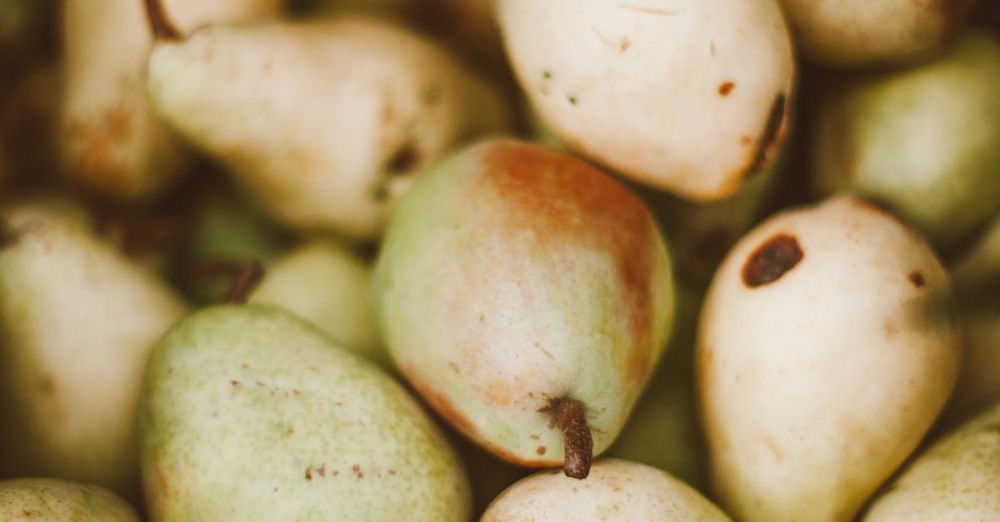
(112, 144)
(921, 141)
(325, 123)
(823, 358)
(77, 324)
(52, 500)
(616, 490)
(957, 479)
(329, 285)
(514, 277)
(251, 413)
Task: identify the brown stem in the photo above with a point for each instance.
(579, 446)
(246, 278)
(159, 22)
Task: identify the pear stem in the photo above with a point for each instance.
(247, 277)
(579, 446)
(159, 22)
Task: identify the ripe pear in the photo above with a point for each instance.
(979, 381)
(616, 490)
(823, 358)
(874, 33)
(691, 97)
(663, 430)
(956, 479)
(519, 288)
(251, 413)
(329, 285)
(922, 141)
(324, 122)
(112, 144)
(50, 500)
(77, 323)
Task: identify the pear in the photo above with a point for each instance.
(691, 97)
(663, 430)
(329, 285)
(324, 122)
(29, 123)
(922, 141)
(51, 500)
(823, 358)
(77, 323)
(250, 413)
(956, 479)
(519, 288)
(874, 33)
(112, 144)
(617, 490)
(979, 381)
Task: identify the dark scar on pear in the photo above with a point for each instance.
(770, 261)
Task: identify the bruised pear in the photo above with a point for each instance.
(874, 33)
(616, 490)
(956, 479)
(825, 352)
(689, 96)
(112, 144)
(50, 500)
(325, 123)
(527, 296)
(922, 141)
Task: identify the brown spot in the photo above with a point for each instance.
(769, 137)
(890, 328)
(535, 436)
(552, 202)
(746, 140)
(321, 470)
(309, 475)
(548, 354)
(771, 260)
(773, 448)
(45, 385)
(726, 88)
(624, 44)
(540, 450)
(234, 382)
(454, 368)
(404, 160)
(388, 113)
(571, 100)
(917, 279)
(356, 469)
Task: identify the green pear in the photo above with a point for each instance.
(689, 96)
(822, 360)
(77, 323)
(663, 429)
(51, 500)
(519, 288)
(324, 122)
(874, 33)
(329, 285)
(112, 144)
(922, 141)
(615, 490)
(251, 413)
(979, 381)
(956, 479)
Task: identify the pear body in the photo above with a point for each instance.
(616, 490)
(823, 358)
(691, 98)
(50, 500)
(311, 431)
(78, 323)
(956, 479)
(329, 285)
(516, 276)
(112, 144)
(326, 122)
(922, 141)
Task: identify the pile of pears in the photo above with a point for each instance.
(499, 260)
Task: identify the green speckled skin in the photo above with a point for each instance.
(49, 500)
(955, 480)
(514, 275)
(250, 413)
(922, 140)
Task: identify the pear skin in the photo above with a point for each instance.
(50, 500)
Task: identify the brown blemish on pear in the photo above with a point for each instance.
(770, 261)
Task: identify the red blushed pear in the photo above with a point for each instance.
(527, 296)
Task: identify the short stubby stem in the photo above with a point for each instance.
(159, 22)
(579, 446)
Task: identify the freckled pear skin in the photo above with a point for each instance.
(513, 276)
(50, 500)
(251, 413)
(823, 358)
